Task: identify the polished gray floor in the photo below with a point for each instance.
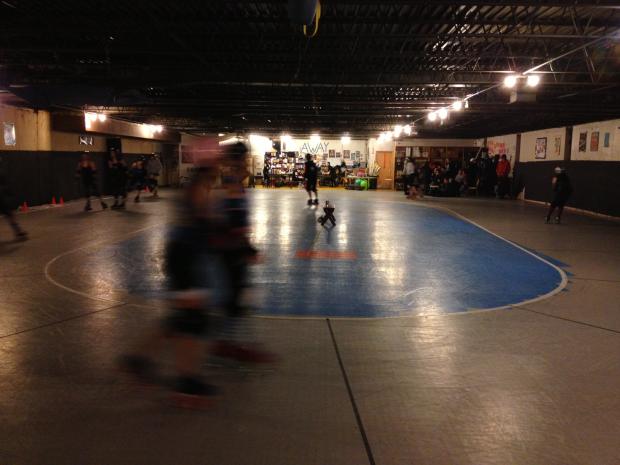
(534, 384)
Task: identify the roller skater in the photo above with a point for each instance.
(7, 211)
(118, 178)
(86, 171)
(187, 322)
(311, 174)
(328, 210)
(234, 253)
(562, 190)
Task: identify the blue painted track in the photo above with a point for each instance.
(410, 260)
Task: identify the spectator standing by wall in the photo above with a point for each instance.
(502, 171)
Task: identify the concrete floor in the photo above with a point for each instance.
(533, 384)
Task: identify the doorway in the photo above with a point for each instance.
(386, 175)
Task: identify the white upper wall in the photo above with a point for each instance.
(550, 142)
(602, 141)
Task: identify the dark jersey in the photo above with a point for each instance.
(312, 171)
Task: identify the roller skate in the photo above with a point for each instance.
(192, 393)
(242, 353)
(309, 202)
(316, 201)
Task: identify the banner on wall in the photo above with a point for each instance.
(497, 148)
(557, 147)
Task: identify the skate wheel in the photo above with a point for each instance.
(190, 402)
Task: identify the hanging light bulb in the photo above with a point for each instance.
(102, 117)
(510, 81)
(457, 106)
(398, 129)
(432, 116)
(345, 140)
(533, 80)
(466, 104)
(442, 113)
(407, 129)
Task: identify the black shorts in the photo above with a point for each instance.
(559, 201)
(311, 185)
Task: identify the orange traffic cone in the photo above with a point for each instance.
(62, 201)
(24, 207)
(53, 200)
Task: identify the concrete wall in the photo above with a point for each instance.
(594, 168)
(41, 164)
(608, 147)
(556, 140)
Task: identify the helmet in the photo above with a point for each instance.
(558, 170)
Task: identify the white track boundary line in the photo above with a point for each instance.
(559, 288)
(48, 265)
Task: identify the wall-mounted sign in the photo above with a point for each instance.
(541, 148)
(314, 149)
(557, 147)
(86, 140)
(606, 140)
(9, 134)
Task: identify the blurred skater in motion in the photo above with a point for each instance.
(86, 171)
(231, 245)
(311, 174)
(7, 211)
(185, 326)
(118, 178)
(137, 178)
(153, 170)
(562, 190)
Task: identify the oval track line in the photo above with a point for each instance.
(49, 264)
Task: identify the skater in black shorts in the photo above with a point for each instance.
(562, 190)
(86, 172)
(7, 211)
(311, 174)
(118, 179)
(187, 321)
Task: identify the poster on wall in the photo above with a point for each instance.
(583, 141)
(541, 148)
(606, 140)
(338, 155)
(497, 148)
(332, 153)
(346, 154)
(9, 134)
(557, 147)
(594, 141)
(86, 140)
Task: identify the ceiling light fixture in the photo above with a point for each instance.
(510, 81)
(345, 140)
(442, 113)
(533, 80)
(432, 116)
(457, 106)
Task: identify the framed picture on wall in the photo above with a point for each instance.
(9, 134)
(541, 148)
(346, 154)
(606, 140)
(337, 154)
(583, 141)
(332, 153)
(594, 141)
(187, 155)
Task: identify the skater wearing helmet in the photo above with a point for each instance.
(311, 174)
(562, 190)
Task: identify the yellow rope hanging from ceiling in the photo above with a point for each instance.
(317, 17)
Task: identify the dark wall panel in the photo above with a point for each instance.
(36, 177)
(595, 183)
